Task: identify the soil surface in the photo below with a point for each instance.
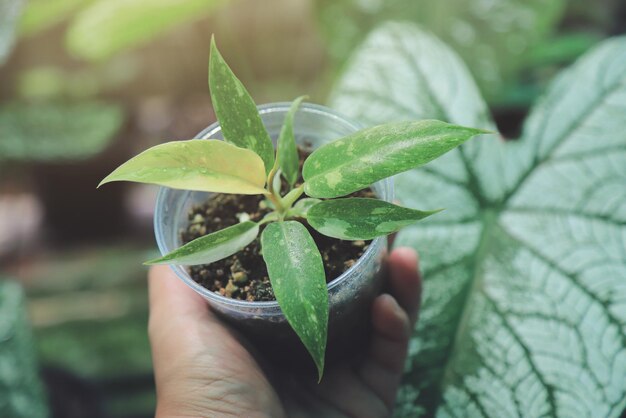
(244, 275)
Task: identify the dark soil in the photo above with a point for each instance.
(244, 275)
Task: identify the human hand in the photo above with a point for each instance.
(203, 370)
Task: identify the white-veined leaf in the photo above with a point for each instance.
(524, 311)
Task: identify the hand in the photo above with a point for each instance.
(202, 370)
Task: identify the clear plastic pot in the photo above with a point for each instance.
(350, 295)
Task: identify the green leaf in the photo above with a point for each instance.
(108, 27)
(212, 247)
(302, 206)
(10, 12)
(23, 394)
(238, 116)
(297, 275)
(196, 164)
(358, 160)
(56, 132)
(43, 14)
(524, 310)
(361, 218)
(287, 153)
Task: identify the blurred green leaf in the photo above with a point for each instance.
(20, 384)
(41, 83)
(493, 37)
(10, 11)
(55, 131)
(297, 275)
(361, 218)
(523, 311)
(562, 48)
(40, 15)
(107, 27)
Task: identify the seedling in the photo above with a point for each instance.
(246, 163)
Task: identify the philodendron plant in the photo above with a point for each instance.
(246, 163)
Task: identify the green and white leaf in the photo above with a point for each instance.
(196, 164)
(358, 218)
(524, 309)
(297, 275)
(287, 153)
(108, 27)
(239, 118)
(212, 247)
(367, 156)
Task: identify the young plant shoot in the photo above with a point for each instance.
(246, 163)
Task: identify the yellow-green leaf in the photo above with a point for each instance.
(239, 118)
(196, 164)
(212, 247)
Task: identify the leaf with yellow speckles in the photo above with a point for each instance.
(239, 118)
(197, 164)
(297, 275)
(361, 218)
(367, 156)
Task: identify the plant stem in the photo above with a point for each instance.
(270, 179)
(273, 196)
(292, 196)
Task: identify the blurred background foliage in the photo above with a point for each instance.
(86, 83)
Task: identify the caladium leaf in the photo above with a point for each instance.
(358, 218)
(239, 119)
(212, 247)
(297, 275)
(197, 164)
(524, 309)
(287, 152)
(358, 160)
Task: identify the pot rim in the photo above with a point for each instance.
(211, 130)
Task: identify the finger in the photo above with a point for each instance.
(383, 367)
(405, 281)
(182, 322)
(198, 361)
(170, 296)
(173, 308)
